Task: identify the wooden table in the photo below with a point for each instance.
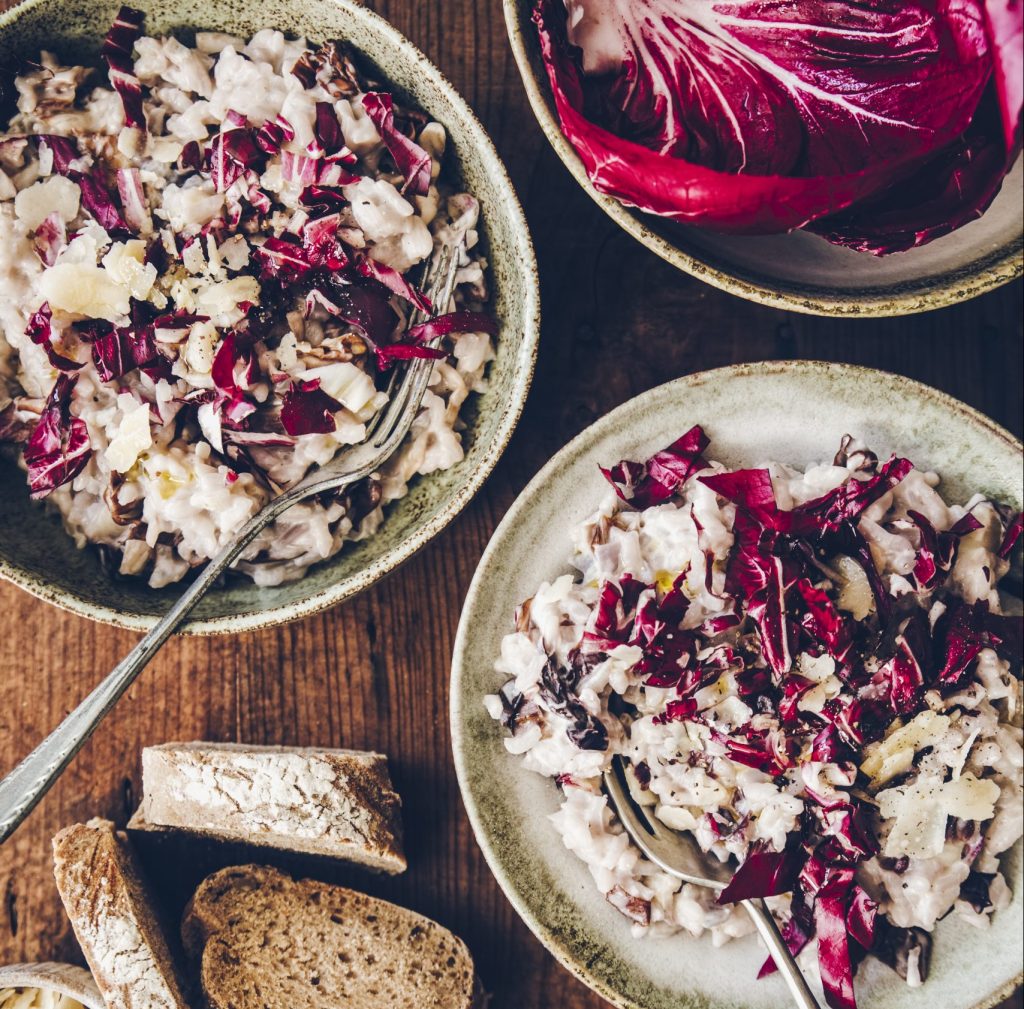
(373, 673)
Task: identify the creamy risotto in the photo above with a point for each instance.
(808, 671)
(208, 267)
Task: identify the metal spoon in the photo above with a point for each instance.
(679, 855)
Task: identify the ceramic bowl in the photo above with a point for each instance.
(800, 271)
(56, 978)
(795, 412)
(34, 551)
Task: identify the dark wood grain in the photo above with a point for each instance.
(373, 673)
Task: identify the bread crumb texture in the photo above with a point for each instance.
(328, 801)
(266, 941)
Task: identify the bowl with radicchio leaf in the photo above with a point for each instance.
(833, 158)
(787, 596)
(214, 225)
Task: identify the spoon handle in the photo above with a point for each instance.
(784, 960)
(32, 778)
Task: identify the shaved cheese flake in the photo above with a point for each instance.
(343, 381)
(84, 290)
(133, 434)
(126, 264)
(921, 808)
(924, 729)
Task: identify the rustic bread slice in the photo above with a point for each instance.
(338, 803)
(111, 913)
(265, 940)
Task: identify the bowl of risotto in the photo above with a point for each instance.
(215, 223)
(784, 596)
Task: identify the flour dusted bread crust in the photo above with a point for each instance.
(265, 940)
(338, 803)
(106, 900)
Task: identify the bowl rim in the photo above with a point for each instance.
(524, 362)
(555, 943)
(985, 274)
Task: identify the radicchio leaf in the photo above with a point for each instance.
(964, 630)
(58, 449)
(412, 160)
(50, 238)
(117, 51)
(797, 932)
(299, 168)
(96, 197)
(326, 198)
(845, 503)
(763, 873)
(320, 241)
(307, 409)
(824, 623)
(949, 190)
(656, 480)
(404, 350)
(97, 200)
(133, 198)
(366, 266)
(327, 128)
(788, 118)
(42, 333)
(453, 322)
(281, 259)
(119, 351)
(834, 964)
(230, 153)
(751, 489)
(273, 133)
(364, 304)
(1012, 534)
(1004, 22)
(191, 157)
(234, 367)
(66, 157)
(937, 551)
(906, 670)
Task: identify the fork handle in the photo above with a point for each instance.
(32, 778)
(784, 960)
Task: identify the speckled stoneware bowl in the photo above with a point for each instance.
(796, 412)
(34, 551)
(61, 978)
(801, 271)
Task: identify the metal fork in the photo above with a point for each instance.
(32, 778)
(679, 855)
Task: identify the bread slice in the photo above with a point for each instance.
(265, 940)
(111, 913)
(338, 803)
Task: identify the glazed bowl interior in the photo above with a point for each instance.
(800, 271)
(796, 412)
(34, 550)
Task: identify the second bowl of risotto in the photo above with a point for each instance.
(216, 226)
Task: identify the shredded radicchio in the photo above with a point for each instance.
(412, 161)
(64, 150)
(307, 409)
(417, 337)
(654, 481)
(117, 51)
(780, 600)
(42, 333)
(58, 449)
